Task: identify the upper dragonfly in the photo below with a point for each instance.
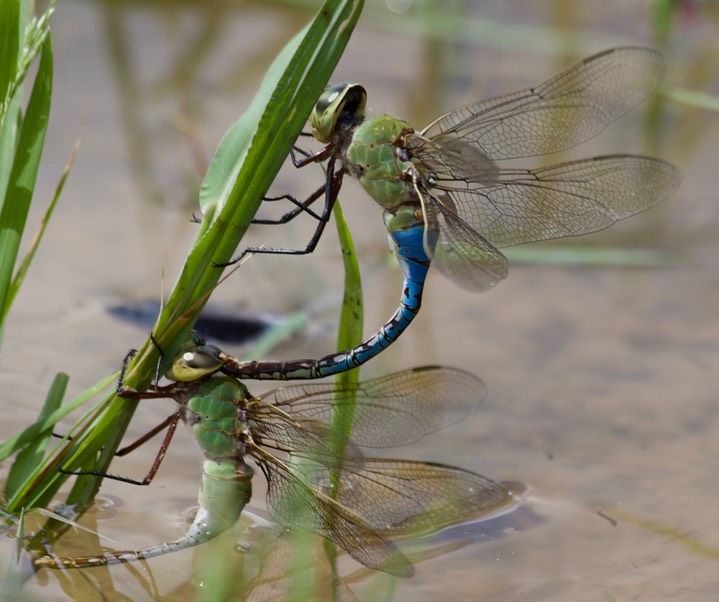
(446, 202)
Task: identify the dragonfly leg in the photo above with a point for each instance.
(125, 362)
(170, 423)
(307, 157)
(124, 391)
(331, 188)
(300, 207)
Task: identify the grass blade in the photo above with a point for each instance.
(31, 456)
(23, 174)
(27, 260)
(241, 172)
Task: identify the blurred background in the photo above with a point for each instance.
(601, 361)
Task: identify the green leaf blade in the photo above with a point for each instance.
(23, 175)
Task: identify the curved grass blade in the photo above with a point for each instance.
(23, 173)
(41, 485)
(269, 128)
(29, 256)
(31, 456)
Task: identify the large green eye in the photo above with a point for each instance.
(339, 107)
(194, 362)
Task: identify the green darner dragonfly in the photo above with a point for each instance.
(445, 200)
(286, 433)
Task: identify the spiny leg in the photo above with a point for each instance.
(300, 206)
(331, 188)
(170, 423)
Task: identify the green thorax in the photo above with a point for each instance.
(374, 158)
(216, 414)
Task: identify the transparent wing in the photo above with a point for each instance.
(311, 437)
(450, 158)
(392, 410)
(570, 108)
(400, 498)
(568, 199)
(458, 250)
(293, 500)
(282, 568)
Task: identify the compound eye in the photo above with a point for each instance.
(194, 363)
(338, 105)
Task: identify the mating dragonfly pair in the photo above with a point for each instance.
(445, 202)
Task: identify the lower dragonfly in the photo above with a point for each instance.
(286, 433)
(446, 202)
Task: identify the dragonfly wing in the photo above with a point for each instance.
(309, 436)
(282, 570)
(293, 500)
(446, 157)
(568, 199)
(570, 108)
(391, 410)
(400, 498)
(457, 249)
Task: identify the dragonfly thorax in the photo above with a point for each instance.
(376, 158)
(216, 414)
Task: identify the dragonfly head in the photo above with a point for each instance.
(194, 362)
(338, 109)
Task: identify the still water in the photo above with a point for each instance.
(602, 379)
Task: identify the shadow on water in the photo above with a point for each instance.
(214, 324)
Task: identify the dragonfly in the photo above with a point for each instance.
(446, 202)
(287, 435)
